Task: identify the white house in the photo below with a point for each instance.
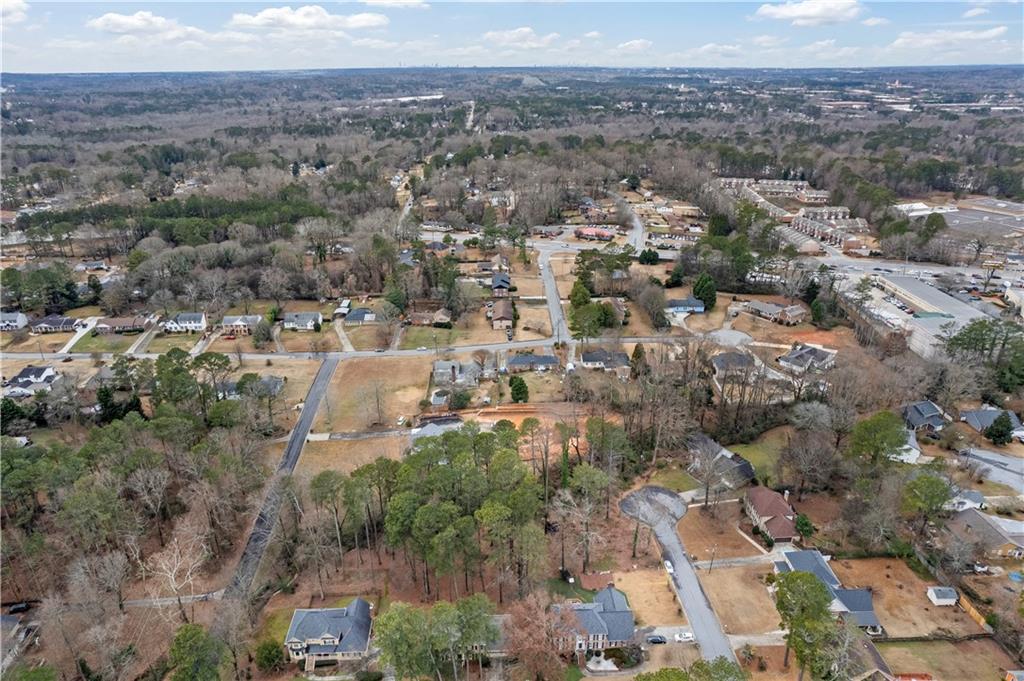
(240, 325)
(11, 321)
(302, 321)
(185, 322)
(31, 380)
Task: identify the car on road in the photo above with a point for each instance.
(421, 348)
(683, 637)
(657, 639)
(668, 567)
(379, 350)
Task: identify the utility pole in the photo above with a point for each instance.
(714, 550)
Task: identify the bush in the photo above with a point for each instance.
(364, 675)
(460, 399)
(442, 325)
(269, 656)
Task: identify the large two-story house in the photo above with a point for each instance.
(607, 622)
(329, 635)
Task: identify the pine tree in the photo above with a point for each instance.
(520, 391)
(705, 290)
(1001, 430)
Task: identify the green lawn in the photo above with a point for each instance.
(560, 587)
(764, 451)
(275, 626)
(104, 342)
(675, 479)
(83, 312)
(573, 673)
(424, 336)
(163, 343)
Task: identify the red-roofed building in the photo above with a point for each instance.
(770, 513)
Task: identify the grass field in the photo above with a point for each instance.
(46, 342)
(162, 343)
(544, 387)
(305, 341)
(429, 337)
(364, 337)
(84, 312)
(348, 455)
(764, 451)
(559, 587)
(981, 659)
(674, 478)
(104, 342)
(350, 402)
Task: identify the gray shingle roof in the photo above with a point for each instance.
(923, 413)
(302, 318)
(532, 360)
(189, 317)
(350, 624)
(980, 419)
(732, 361)
(500, 280)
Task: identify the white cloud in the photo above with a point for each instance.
(140, 22)
(13, 11)
(974, 12)
(144, 27)
(397, 4)
(307, 18)
(827, 49)
(944, 39)
(635, 46)
(769, 41)
(716, 50)
(374, 44)
(522, 38)
(875, 21)
(69, 44)
(812, 12)
(593, 35)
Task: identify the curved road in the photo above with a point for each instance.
(661, 509)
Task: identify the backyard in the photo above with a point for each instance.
(104, 342)
(980, 659)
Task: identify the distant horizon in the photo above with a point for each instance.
(144, 36)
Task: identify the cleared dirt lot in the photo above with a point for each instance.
(701, 532)
(310, 341)
(965, 661)
(772, 656)
(900, 598)
(650, 596)
(48, 342)
(534, 322)
(350, 401)
(347, 455)
(740, 598)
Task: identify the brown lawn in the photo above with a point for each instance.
(298, 375)
(162, 342)
(348, 455)
(310, 341)
(351, 400)
(528, 285)
(534, 322)
(740, 598)
(239, 343)
(716, 529)
(652, 599)
(366, 337)
(966, 661)
(45, 342)
(900, 598)
(772, 656)
(708, 321)
(544, 387)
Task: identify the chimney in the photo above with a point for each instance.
(785, 495)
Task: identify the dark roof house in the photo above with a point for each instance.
(924, 414)
(329, 634)
(981, 419)
(855, 603)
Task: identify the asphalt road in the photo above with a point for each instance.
(1006, 470)
(661, 509)
(263, 526)
(560, 328)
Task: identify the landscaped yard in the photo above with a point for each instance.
(104, 342)
(560, 587)
(161, 343)
(764, 451)
(673, 477)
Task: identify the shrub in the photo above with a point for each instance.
(364, 675)
(269, 656)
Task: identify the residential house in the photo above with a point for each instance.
(502, 314)
(435, 318)
(265, 386)
(500, 284)
(594, 234)
(924, 415)
(240, 325)
(607, 622)
(865, 662)
(121, 325)
(329, 634)
(981, 419)
(771, 513)
(531, 362)
(731, 363)
(803, 358)
(31, 380)
(688, 305)
(11, 321)
(730, 469)
(342, 310)
(55, 324)
(95, 265)
(994, 537)
(455, 373)
(788, 315)
(185, 322)
(606, 360)
(855, 603)
(302, 321)
(360, 316)
(434, 426)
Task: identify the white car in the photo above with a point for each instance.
(421, 348)
(684, 637)
(668, 567)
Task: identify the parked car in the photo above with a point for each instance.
(683, 637)
(657, 639)
(668, 567)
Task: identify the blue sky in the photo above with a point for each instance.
(180, 36)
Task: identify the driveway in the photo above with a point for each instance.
(1002, 468)
(558, 324)
(661, 509)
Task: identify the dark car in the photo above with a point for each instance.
(18, 607)
(657, 639)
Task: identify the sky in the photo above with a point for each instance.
(134, 35)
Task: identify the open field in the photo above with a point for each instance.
(306, 341)
(740, 599)
(428, 337)
(162, 342)
(764, 451)
(702, 532)
(347, 455)
(351, 399)
(562, 266)
(534, 322)
(365, 337)
(104, 342)
(650, 596)
(965, 661)
(900, 600)
(44, 342)
(231, 346)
